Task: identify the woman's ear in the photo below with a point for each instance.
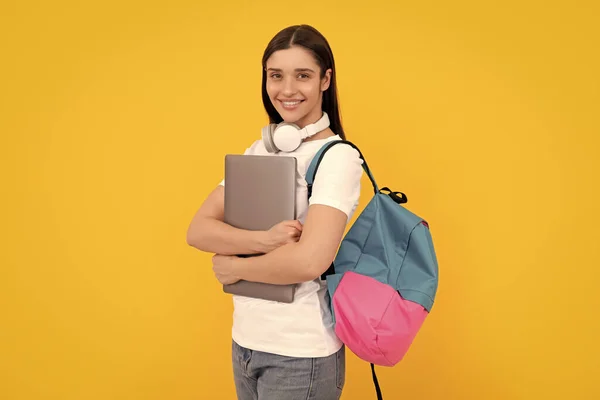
(326, 81)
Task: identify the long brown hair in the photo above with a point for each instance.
(312, 40)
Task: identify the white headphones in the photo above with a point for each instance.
(288, 137)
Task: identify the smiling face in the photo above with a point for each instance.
(295, 86)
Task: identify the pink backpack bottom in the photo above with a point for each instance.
(373, 320)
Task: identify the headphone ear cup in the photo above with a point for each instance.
(287, 137)
(267, 137)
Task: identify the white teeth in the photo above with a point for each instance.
(290, 103)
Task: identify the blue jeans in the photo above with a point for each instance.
(264, 376)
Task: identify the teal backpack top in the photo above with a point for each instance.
(384, 278)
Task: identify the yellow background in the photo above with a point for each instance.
(114, 120)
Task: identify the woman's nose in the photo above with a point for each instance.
(289, 87)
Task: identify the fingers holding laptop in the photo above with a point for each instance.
(282, 233)
(223, 269)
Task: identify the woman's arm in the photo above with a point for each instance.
(302, 261)
(208, 232)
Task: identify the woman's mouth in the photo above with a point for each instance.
(290, 104)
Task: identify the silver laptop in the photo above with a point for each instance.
(260, 192)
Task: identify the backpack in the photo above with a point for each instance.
(384, 278)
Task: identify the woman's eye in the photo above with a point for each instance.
(275, 76)
(303, 76)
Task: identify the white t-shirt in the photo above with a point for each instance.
(303, 328)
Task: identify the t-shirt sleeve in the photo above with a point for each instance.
(337, 182)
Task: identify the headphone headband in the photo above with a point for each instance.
(288, 136)
(313, 129)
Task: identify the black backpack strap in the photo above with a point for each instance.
(311, 173)
(376, 382)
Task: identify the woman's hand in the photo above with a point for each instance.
(280, 234)
(223, 269)
(283, 233)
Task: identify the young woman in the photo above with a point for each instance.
(287, 351)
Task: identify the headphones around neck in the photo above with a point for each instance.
(288, 137)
